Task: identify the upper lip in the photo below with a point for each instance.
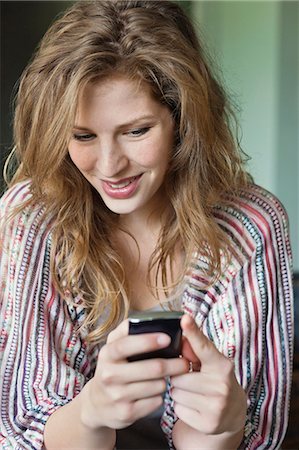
(123, 180)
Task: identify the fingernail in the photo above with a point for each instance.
(163, 340)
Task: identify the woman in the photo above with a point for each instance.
(131, 195)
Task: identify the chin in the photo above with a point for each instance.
(120, 209)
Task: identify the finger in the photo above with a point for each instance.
(202, 347)
(138, 390)
(218, 409)
(188, 353)
(190, 399)
(188, 416)
(151, 369)
(202, 383)
(206, 423)
(198, 402)
(192, 382)
(129, 345)
(194, 419)
(120, 331)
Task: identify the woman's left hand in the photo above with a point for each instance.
(208, 399)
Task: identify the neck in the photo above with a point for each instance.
(141, 224)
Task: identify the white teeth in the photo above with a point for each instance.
(119, 186)
(122, 185)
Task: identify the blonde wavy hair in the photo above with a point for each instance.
(152, 41)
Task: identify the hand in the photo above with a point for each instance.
(122, 392)
(208, 399)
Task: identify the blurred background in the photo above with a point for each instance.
(255, 45)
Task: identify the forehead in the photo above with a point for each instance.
(117, 98)
(118, 86)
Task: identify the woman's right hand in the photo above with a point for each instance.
(122, 392)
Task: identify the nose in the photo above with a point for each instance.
(112, 158)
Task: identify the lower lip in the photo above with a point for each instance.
(121, 193)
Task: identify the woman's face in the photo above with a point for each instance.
(122, 142)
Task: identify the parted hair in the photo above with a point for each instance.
(149, 41)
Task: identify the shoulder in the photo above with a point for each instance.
(256, 226)
(255, 205)
(22, 220)
(17, 202)
(258, 271)
(14, 197)
(253, 218)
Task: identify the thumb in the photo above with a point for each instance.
(201, 346)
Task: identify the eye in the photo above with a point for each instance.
(83, 137)
(138, 132)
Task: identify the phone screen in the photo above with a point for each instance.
(165, 322)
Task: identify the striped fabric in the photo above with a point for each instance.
(247, 313)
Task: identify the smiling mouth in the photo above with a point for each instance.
(123, 189)
(124, 183)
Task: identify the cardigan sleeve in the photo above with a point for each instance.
(248, 314)
(258, 308)
(44, 361)
(258, 318)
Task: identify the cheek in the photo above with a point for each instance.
(155, 154)
(83, 159)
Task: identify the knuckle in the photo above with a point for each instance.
(103, 352)
(213, 427)
(224, 389)
(118, 348)
(112, 350)
(110, 337)
(158, 368)
(125, 412)
(221, 406)
(212, 424)
(227, 368)
(159, 387)
(163, 385)
(107, 376)
(117, 394)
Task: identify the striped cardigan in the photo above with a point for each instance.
(247, 313)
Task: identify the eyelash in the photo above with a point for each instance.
(138, 132)
(84, 137)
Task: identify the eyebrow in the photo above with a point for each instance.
(130, 123)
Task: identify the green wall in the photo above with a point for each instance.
(256, 44)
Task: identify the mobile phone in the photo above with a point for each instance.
(158, 322)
